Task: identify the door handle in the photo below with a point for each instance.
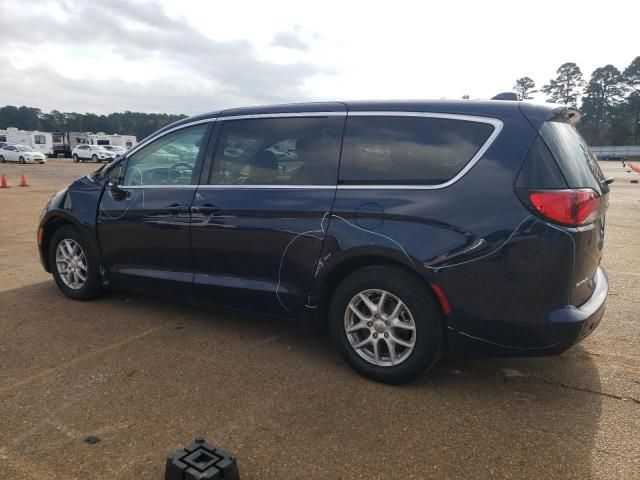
(175, 208)
(207, 208)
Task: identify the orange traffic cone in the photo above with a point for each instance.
(3, 182)
(23, 181)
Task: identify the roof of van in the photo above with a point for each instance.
(488, 108)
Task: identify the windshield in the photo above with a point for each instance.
(23, 149)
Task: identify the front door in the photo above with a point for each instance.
(258, 222)
(144, 237)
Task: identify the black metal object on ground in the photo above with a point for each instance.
(201, 461)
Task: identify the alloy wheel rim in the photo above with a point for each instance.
(380, 327)
(71, 263)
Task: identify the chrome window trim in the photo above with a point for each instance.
(282, 115)
(497, 128)
(227, 187)
(275, 187)
(138, 187)
(496, 123)
(146, 142)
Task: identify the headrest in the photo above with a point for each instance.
(263, 167)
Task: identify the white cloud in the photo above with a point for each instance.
(190, 56)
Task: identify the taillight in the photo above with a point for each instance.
(568, 207)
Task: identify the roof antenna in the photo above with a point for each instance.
(506, 96)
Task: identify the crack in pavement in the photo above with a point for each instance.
(594, 392)
(76, 360)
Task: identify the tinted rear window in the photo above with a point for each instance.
(575, 159)
(278, 151)
(408, 150)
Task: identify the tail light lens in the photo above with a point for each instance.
(568, 207)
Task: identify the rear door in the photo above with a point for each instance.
(10, 153)
(581, 171)
(259, 217)
(84, 152)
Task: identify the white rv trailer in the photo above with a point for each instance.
(101, 138)
(65, 142)
(40, 141)
(126, 141)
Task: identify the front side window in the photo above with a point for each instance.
(408, 150)
(278, 151)
(115, 173)
(39, 139)
(169, 160)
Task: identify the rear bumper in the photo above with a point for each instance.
(569, 325)
(585, 318)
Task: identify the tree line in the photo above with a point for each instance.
(609, 101)
(127, 123)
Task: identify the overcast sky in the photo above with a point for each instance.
(189, 56)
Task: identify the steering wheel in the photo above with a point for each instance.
(175, 171)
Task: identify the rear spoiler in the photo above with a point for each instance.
(568, 114)
(506, 96)
(538, 113)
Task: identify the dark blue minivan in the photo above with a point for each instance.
(407, 228)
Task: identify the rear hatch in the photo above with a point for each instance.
(562, 182)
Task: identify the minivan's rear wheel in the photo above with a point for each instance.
(75, 158)
(74, 268)
(386, 324)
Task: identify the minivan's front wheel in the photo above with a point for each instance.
(73, 267)
(386, 324)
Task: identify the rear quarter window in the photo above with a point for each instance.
(409, 150)
(578, 164)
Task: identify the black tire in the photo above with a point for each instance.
(92, 287)
(2, 160)
(95, 158)
(75, 158)
(429, 332)
(21, 160)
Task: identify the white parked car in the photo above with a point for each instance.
(21, 153)
(118, 150)
(95, 153)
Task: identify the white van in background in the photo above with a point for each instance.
(40, 141)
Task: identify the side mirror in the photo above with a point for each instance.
(116, 192)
